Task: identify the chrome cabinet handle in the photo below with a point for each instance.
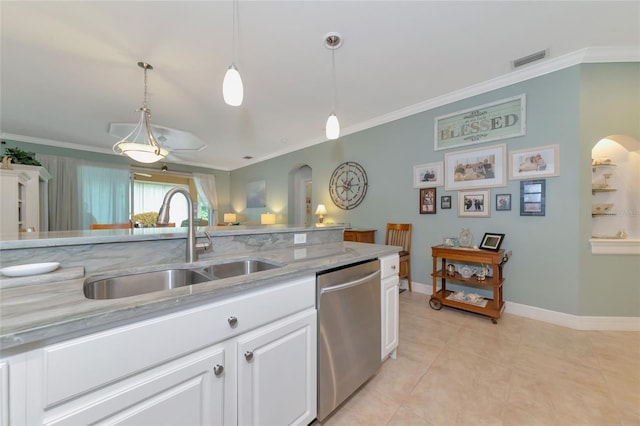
(233, 322)
(218, 370)
(248, 355)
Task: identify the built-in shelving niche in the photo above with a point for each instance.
(615, 190)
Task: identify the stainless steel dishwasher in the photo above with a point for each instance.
(348, 331)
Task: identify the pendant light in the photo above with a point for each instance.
(333, 41)
(140, 144)
(232, 88)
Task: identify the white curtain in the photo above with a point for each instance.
(206, 187)
(83, 192)
(105, 193)
(64, 193)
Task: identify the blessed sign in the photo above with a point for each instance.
(497, 120)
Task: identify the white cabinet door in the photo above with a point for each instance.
(187, 391)
(390, 316)
(277, 372)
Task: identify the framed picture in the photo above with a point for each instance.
(474, 203)
(428, 201)
(256, 194)
(528, 163)
(428, 175)
(445, 202)
(503, 202)
(532, 193)
(476, 168)
(502, 119)
(491, 241)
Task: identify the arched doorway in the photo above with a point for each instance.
(300, 199)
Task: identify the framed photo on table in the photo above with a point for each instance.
(428, 201)
(474, 203)
(491, 241)
(476, 168)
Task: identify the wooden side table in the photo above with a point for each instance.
(360, 235)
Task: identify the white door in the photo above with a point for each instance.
(277, 372)
(390, 316)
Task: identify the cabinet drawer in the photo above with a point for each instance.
(389, 265)
(80, 365)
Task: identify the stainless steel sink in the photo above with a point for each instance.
(127, 285)
(135, 284)
(239, 267)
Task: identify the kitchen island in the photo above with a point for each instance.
(50, 330)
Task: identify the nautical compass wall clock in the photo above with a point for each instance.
(348, 185)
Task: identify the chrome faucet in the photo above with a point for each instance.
(163, 218)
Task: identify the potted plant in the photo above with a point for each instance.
(19, 156)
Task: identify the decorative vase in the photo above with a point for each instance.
(466, 238)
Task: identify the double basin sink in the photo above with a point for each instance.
(116, 287)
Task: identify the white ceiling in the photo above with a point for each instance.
(68, 69)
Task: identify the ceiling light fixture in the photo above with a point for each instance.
(333, 41)
(140, 144)
(232, 88)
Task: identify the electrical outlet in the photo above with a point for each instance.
(299, 238)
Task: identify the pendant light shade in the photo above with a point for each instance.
(333, 127)
(232, 88)
(140, 145)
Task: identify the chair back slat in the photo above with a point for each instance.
(399, 234)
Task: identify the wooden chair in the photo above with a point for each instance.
(110, 225)
(399, 234)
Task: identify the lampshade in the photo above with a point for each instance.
(267, 218)
(230, 217)
(232, 88)
(321, 210)
(141, 144)
(333, 127)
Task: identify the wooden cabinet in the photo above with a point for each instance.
(389, 298)
(186, 368)
(277, 373)
(464, 276)
(360, 235)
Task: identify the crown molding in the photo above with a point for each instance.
(582, 56)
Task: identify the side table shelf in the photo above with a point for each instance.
(443, 297)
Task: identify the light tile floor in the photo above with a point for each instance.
(457, 368)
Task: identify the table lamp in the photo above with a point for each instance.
(230, 218)
(267, 219)
(321, 210)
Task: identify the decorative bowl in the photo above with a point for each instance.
(601, 208)
(466, 271)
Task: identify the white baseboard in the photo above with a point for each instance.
(575, 322)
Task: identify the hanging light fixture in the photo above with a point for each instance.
(140, 144)
(232, 88)
(333, 41)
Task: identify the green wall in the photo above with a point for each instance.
(551, 267)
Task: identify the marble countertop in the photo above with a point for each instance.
(47, 312)
(66, 238)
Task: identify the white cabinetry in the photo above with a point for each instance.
(187, 368)
(277, 373)
(24, 192)
(389, 287)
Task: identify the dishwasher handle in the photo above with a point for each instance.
(349, 284)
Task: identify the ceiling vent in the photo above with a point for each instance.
(529, 58)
